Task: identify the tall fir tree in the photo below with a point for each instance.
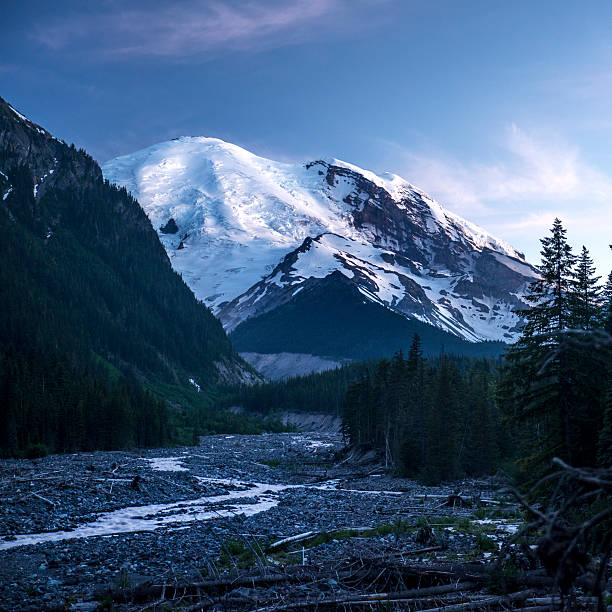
(555, 379)
(604, 442)
(586, 292)
(444, 425)
(537, 401)
(414, 427)
(479, 450)
(605, 435)
(550, 295)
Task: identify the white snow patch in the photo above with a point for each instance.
(516, 266)
(502, 524)
(316, 444)
(23, 117)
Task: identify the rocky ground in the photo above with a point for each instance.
(75, 530)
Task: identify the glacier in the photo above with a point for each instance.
(239, 216)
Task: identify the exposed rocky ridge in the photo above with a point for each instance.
(51, 162)
(331, 318)
(452, 301)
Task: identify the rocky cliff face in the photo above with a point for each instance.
(51, 162)
(253, 233)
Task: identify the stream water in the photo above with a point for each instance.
(243, 498)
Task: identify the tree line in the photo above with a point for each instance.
(51, 404)
(556, 387)
(317, 392)
(432, 419)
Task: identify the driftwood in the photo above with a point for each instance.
(47, 501)
(412, 596)
(300, 537)
(449, 587)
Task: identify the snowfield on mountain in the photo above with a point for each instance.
(248, 234)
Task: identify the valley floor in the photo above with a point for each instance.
(77, 530)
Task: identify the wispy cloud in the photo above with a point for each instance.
(187, 28)
(528, 171)
(516, 194)
(530, 182)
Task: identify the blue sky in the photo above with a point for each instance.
(500, 109)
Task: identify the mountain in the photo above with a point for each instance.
(92, 311)
(254, 237)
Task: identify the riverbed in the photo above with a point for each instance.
(72, 525)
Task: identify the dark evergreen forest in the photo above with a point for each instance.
(322, 392)
(98, 335)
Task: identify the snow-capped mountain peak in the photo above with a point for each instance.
(229, 219)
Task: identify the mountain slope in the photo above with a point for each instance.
(247, 234)
(84, 279)
(336, 321)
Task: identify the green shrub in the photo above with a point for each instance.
(485, 543)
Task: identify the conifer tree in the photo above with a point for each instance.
(442, 451)
(604, 457)
(479, 449)
(412, 444)
(401, 383)
(537, 401)
(550, 295)
(585, 292)
(605, 435)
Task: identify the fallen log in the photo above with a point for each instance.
(411, 596)
(149, 590)
(47, 501)
(296, 538)
(484, 603)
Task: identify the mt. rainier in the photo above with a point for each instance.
(249, 234)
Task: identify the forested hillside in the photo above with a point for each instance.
(92, 312)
